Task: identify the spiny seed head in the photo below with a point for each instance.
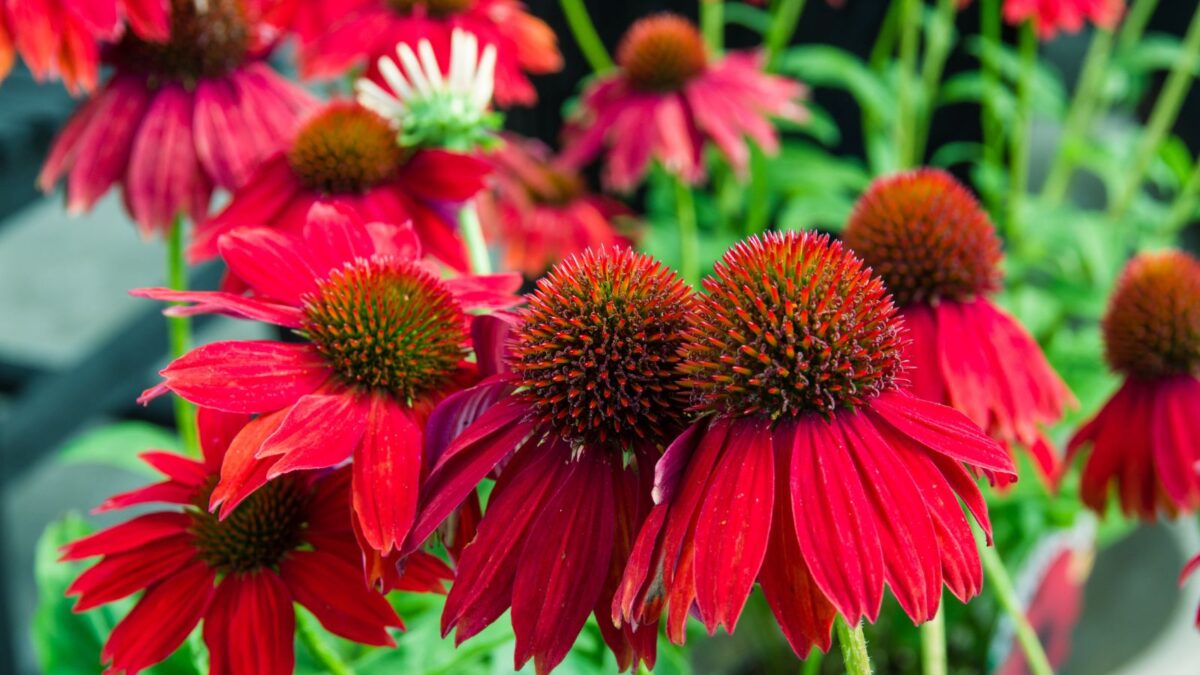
(207, 43)
(661, 53)
(598, 348)
(345, 148)
(439, 8)
(259, 533)
(792, 323)
(927, 236)
(387, 324)
(1152, 327)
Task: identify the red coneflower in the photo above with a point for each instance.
(1051, 16)
(810, 469)
(364, 30)
(668, 98)
(62, 39)
(939, 255)
(384, 340)
(578, 423)
(289, 542)
(178, 118)
(347, 155)
(542, 212)
(1145, 442)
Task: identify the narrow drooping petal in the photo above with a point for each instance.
(250, 626)
(318, 581)
(320, 430)
(161, 620)
(246, 376)
(387, 474)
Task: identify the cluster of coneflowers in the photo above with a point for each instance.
(814, 418)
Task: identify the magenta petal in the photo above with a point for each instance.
(387, 474)
(274, 264)
(165, 178)
(734, 524)
(490, 334)
(458, 411)
(334, 235)
(227, 304)
(674, 462)
(246, 376)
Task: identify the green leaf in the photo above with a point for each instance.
(747, 16)
(822, 65)
(119, 445)
(1048, 94)
(67, 643)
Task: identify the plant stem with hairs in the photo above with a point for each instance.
(1001, 586)
(179, 335)
(854, 647)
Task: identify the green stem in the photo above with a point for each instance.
(885, 44)
(1079, 116)
(179, 335)
(1162, 117)
(712, 24)
(989, 28)
(1002, 587)
(783, 27)
(472, 234)
(910, 24)
(310, 635)
(854, 647)
(586, 36)
(936, 52)
(1133, 25)
(812, 662)
(758, 206)
(1018, 159)
(689, 239)
(1185, 202)
(933, 644)
(643, 670)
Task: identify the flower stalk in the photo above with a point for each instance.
(689, 236)
(311, 636)
(783, 26)
(1002, 587)
(584, 32)
(989, 28)
(910, 24)
(472, 233)
(1018, 176)
(854, 647)
(937, 50)
(179, 336)
(933, 644)
(712, 25)
(1079, 115)
(1162, 118)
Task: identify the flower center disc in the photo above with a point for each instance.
(792, 323)
(387, 325)
(258, 533)
(661, 53)
(927, 236)
(202, 44)
(1152, 327)
(598, 348)
(438, 8)
(345, 148)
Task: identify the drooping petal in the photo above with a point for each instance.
(441, 175)
(217, 430)
(943, 430)
(387, 474)
(127, 536)
(165, 177)
(166, 492)
(242, 472)
(160, 621)
(274, 264)
(332, 589)
(227, 304)
(117, 576)
(559, 579)
(250, 626)
(246, 376)
(455, 413)
(734, 523)
(319, 431)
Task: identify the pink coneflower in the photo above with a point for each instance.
(346, 155)
(939, 255)
(364, 30)
(541, 211)
(178, 118)
(1145, 441)
(63, 38)
(384, 338)
(810, 470)
(668, 98)
(290, 542)
(592, 396)
(1049, 17)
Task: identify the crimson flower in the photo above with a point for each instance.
(62, 38)
(939, 255)
(668, 97)
(178, 118)
(1145, 441)
(810, 469)
(384, 338)
(347, 155)
(363, 30)
(289, 542)
(1051, 16)
(576, 426)
(542, 212)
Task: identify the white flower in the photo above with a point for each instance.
(429, 108)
